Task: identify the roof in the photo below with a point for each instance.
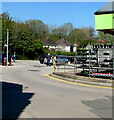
(48, 42)
(108, 8)
(102, 41)
(63, 42)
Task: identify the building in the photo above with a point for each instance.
(63, 45)
(104, 19)
(60, 45)
(48, 43)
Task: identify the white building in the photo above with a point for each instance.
(60, 45)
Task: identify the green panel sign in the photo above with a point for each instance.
(113, 21)
(104, 21)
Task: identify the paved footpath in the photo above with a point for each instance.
(28, 93)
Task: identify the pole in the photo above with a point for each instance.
(89, 58)
(113, 58)
(7, 45)
(75, 60)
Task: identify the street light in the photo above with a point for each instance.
(7, 45)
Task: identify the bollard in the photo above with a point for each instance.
(4, 61)
(54, 68)
(11, 62)
(54, 64)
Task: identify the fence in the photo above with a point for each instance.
(87, 65)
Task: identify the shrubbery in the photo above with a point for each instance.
(59, 53)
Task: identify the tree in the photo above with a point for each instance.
(22, 38)
(61, 32)
(38, 28)
(109, 38)
(82, 36)
(65, 29)
(6, 24)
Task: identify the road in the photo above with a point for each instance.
(44, 97)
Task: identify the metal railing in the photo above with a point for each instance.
(86, 66)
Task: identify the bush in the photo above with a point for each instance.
(59, 53)
(21, 57)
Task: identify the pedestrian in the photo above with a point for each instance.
(48, 62)
(51, 61)
(14, 56)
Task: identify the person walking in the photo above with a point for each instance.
(48, 61)
(14, 56)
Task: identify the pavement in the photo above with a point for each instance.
(68, 76)
(27, 93)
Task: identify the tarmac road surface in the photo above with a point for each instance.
(27, 93)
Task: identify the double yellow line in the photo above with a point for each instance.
(61, 80)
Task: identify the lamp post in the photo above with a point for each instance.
(7, 45)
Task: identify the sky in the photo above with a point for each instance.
(80, 14)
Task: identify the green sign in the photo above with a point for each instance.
(104, 21)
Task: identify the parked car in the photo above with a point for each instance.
(41, 59)
(61, 60)
(46, 59)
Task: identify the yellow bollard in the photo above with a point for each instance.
(54, 64)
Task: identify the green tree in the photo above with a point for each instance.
(109, 38)
(61, 32)
(38, 28)
(22, 39)
(82, 36)
(6, 24)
